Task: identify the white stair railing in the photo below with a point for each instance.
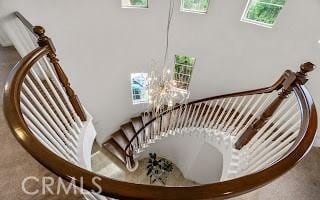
(45, 105)
(232, 117)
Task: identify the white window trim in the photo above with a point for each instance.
(258, 23)
(183, 74)
(134, 101)
(182, 9)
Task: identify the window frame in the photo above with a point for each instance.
(182, 9)
(126, 5)
(245, 19)
(146, 89)
(187, 83)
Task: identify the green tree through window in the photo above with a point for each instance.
(200, 6)
(134, 3)
(183, 71)
(264, 11)
(139, 2)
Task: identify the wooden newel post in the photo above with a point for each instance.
(131, 163)
(290, 77)
(304, 69)
(43, 40)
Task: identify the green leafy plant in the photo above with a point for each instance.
(139, 2)
(158, 169)
(265, 11)
(196, 5)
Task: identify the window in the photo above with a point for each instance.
(183, 71)
(135, 3)
(262, 12)
(139, 88)
(197, 6)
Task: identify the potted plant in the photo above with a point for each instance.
(158, 169)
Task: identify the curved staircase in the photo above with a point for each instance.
(263, 132)
(230, 119)
(120, 139)
(143, 135)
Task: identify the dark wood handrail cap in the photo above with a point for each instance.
(307, 67)
(39, 30)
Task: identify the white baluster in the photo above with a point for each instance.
(282, 108)
(274, 154)
(260, 109)
(181, 117)
(176, 120)
(63, 92)
(38, 134)
(211, 114)
(52, 102)
(258, 140)
(46, 120)
(196, 116)
(228, 123)
(220, 109)
(200, 118)
(268, 147)
(192, 114)
(208, 109)
(56, 80)
(238, 122)
(52, 137)
(58, 98)
(44, 103)
(223, 114)
(272, 133)
(186, 116)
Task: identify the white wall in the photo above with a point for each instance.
(100, 44)
(190, 151)
(4, 39)
(208, 165)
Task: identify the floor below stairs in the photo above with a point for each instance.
(103, 163)
(301, 182)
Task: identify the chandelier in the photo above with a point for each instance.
(163, 91)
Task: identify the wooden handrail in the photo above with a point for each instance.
(276, 86)
(125, 190)
(43, 40)
(291, 78)
(285, 82)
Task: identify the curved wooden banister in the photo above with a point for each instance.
(42, 41)
(124, 190)
(276, 86)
